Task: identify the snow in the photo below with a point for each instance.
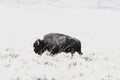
(24, 65)
(97, 29)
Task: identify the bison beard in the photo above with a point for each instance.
(56, 43)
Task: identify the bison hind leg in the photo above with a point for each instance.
(79, 52)
(78, 49)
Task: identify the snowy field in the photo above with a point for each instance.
(97, 28)
(25, 65)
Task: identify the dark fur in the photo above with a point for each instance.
(56, 43)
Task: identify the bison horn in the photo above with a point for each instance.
(38, 42)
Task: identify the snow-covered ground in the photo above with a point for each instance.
(25, 65)
(97, 29)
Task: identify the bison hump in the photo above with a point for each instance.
(55, 39)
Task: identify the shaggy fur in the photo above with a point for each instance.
(56, 43)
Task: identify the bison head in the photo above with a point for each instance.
(38, 46)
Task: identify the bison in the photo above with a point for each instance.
(56, 43)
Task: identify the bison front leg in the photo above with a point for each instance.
(54, 50)
(40, 52)
(72, 51)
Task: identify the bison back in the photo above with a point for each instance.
(55, 38)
